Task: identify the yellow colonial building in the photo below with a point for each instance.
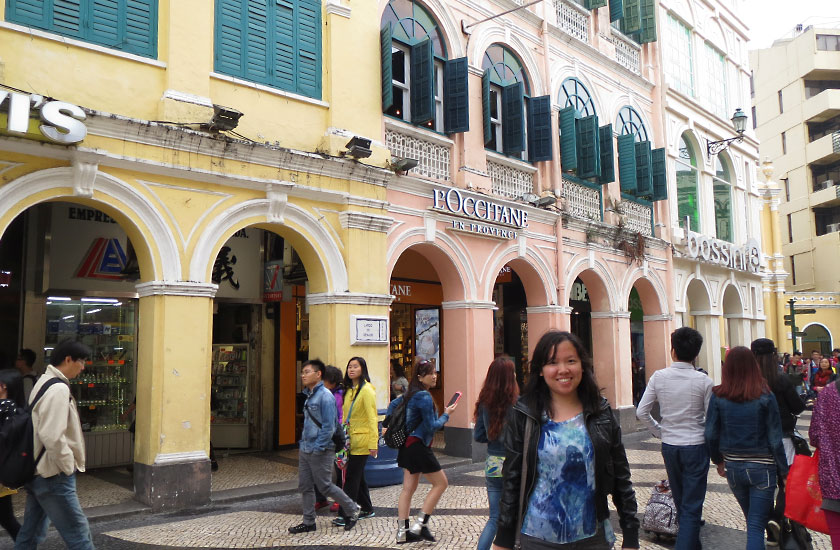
(190, 188)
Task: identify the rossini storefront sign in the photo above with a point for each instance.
(744, 258)
(479, 211)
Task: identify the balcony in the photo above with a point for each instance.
(582, 199)
(637, 215)
(431, 151)
(627, 53)
(510, 178)
(572, 19)
(826, 195)
(822, 106)
(825, 150)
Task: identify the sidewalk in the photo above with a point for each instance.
(107, 493)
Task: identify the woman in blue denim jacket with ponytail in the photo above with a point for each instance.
(744, 436)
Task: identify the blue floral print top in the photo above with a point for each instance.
(562, 505)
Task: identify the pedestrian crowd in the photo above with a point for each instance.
(554, 453)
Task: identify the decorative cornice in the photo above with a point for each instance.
(660, 317)
(177, 288)
(352, 298)
(181, 458)
(610, 315)
(563, 310)
(367, 203)
(470, 170)
(363, 220)
(334, 7)
(84, 175)
(468, 304)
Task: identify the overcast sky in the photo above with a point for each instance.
(769, 20)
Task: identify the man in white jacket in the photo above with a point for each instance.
(51, 495)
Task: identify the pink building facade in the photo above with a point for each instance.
(494, 244)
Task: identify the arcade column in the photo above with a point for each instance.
(657, 343)
(172, 438)
(541, 319)
(467, 353)
(708, 326)
(613, 366)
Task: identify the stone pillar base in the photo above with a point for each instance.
(459, 441)
(173, 486)
(627, 419)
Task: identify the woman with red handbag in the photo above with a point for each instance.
(825, 436)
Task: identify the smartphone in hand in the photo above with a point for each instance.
(455, 397)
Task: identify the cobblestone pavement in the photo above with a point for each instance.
(457, 523)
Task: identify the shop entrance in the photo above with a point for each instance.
(416, 318)
(68, 271)
(637, 344)
(510, 321)
(816, 338)
(581, 321)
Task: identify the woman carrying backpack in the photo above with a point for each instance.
(416, 456)
(495, 400)
(11, 397)
(363, 431)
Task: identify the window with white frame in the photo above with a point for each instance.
(679, 71)
(687, 185)
(714, 76)
(504, 69)
(722, 191)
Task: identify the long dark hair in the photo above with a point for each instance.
(537, 395)
(741, 379)
(422, 369)
(13, 380)
(768, 364)
(499, 392)
(365, 377)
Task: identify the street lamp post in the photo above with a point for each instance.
(739, 122)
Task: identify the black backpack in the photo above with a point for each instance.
(17, 465)
(397, 431)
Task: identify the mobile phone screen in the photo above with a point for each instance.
(455, 397)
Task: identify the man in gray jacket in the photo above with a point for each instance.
(51, 495)
(683, 395)
(317, 451)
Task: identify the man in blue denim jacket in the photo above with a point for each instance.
(317, 451)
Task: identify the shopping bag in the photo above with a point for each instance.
(803, 499)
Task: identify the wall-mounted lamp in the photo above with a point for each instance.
(224, 119)
(399, 164)
(358, 148)
(538, 201)
(739, 122)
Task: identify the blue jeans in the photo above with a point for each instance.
(688, 471)
(754, 487)
(53, 499)
(494, 496)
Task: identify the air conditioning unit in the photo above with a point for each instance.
(832, 227)
(823, 185)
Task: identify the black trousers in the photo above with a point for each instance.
(7, 517)
(355, 485)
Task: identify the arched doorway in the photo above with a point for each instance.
(581, 321)
(733, 331)
(510, 320)
(637, 344)
(649, 333)
(816, 338)
(698, 315)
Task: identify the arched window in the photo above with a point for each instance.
(629, 122)
(723, 200)
(411, 25)
(687, 179)
(504, 70)
(574, 94)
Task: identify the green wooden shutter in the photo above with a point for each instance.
(644, 181)
(229, 54)
(513, 118)
(422, 82)
(658, 166)
(539, 128)
(32, 13)
(616, 10)
(632, 19)
(456, 96)
(588, 150)
(594, 4)
(68, 18)
(485, 105)
(605, 139)
(385, 39)
(104, 22)
(648, 21)
(141, 26)
(275, 66)
(627, 162)
(568, 140)
(309, 48)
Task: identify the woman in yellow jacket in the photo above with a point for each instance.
(360, 413)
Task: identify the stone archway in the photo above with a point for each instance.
(650, 327)
(699, 316)
(736, 324)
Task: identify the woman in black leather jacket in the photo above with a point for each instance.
(575, 458)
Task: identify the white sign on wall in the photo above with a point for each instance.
(709, 249)
(368, 329)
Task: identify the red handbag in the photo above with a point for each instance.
(803, 499)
